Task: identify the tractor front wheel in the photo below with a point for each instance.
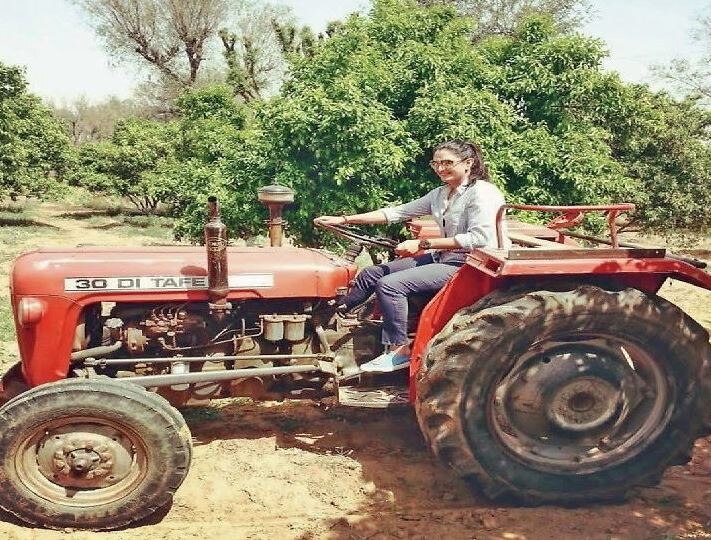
(90, 454)
(565, 396)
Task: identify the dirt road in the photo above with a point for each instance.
(300, 471)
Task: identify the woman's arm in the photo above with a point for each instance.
(376, 217)
(412, 247)
(418, 207)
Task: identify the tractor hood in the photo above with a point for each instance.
(178, 272)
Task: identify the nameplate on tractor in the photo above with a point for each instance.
(163, 283)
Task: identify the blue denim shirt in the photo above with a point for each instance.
(469, 216)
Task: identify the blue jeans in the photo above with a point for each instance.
(392, 282)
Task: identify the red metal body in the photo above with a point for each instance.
(492, 269)
(569, 216)
(39, 282)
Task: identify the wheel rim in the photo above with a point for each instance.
(82, 462)
(580, 404)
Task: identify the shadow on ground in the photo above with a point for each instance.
(88, 214)
(411, 495)
(12, 221)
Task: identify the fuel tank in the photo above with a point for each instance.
(180, 273)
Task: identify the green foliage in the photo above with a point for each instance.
(210, 125)
(501, 17)
(34, 150)
(355, 124)
(211, 129)
(175, 163)
(666, 146)
(127, 165)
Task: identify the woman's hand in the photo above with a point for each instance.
(330, 220)
(408, 248)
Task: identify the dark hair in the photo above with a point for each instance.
(466, 150)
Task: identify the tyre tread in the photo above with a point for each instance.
(473, 329)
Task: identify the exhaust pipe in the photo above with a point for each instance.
(275, 197)
(216, 244)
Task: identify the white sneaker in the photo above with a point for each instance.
(386, 363)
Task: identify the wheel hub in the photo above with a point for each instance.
(583, 404)
(571, 405)
(86, 457)
(83, 461)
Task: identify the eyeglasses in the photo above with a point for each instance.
(444, 163)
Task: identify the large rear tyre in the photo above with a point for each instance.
(91, 454)
(565, 396)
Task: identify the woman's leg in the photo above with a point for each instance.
(393, 289)
(367, 279)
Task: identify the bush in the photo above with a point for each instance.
(34, 150)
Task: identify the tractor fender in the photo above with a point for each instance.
(487, 271)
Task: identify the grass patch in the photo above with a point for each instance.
(11, 208)
(196, 415)
(15, 235)
(148, 222)
(164, 234)
(16, 214)
(76, 196)
(23, 205)
(157, 227)
(7, 325)
(21, 220)
(81, 215)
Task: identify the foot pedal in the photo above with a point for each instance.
(383, 397)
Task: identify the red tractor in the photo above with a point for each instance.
(549, 372)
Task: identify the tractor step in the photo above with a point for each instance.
(383, 397)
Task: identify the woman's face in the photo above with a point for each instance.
(450, 167)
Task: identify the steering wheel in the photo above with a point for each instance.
(355, 235)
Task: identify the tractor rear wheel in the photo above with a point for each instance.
(565, 396)
(91, 454)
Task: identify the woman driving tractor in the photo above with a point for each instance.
(465, 210)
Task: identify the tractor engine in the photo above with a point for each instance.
(187, 329)
(182, 338)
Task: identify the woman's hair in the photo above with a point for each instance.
(466, 150)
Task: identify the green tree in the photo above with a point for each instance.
(128, 164)
(356, 122)
(502, 17)
(666, 146)
(210, 131)
(34, 150)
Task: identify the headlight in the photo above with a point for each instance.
(30, 311)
